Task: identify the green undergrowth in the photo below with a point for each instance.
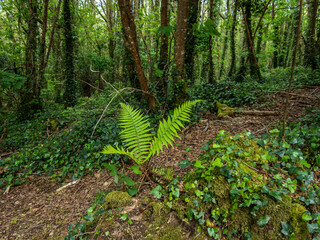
(236, 94)
(241, 187)
(59, 142)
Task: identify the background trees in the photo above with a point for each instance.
(163, 48)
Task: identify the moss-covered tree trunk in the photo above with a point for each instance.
(310, 44)
(191, 38)
(70, 94)
(30, 95)
(211, 77)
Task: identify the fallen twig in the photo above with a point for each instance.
(6, 154)
(69, 184)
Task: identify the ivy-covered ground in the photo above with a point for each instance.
(227, 184)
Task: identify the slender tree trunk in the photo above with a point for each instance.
(232, 40)
(254, 67)
(225, 44)
(287, 100)
(276, 39)
(259, 42)
(70, 94)
(211, 77)
(310, 48)
(283, 45)
(191, 38)
(131, 41)
(42, 56)
(30, 99)
(54, 26)
(163, 61)
(180, 90)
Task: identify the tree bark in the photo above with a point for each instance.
(310, 48)
(70, 94)
(211, 77)
(254, 67)
(225, 44)
(287, 100)
(191, 38)
(232, 40)
(30, 99)
(179, 52)
(131, 41)
(163, 61)
(276, 39)
(42, 65)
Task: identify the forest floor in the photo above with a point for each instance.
(36, 210)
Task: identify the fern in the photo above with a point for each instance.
(137, 134)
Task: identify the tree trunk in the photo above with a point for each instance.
(276, 39)
(180, 90)
(211, 77)
(130, 40)
(310, 48)
(30, 99)
(191, 38)
(232, 40)
(254, 68)
(225, 44)
(42, 56)
(70, 94)
(163, 61)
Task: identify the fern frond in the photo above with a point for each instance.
(111, 150)
(168, 129)
(136, 132)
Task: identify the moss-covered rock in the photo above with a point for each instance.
(231, 191)
(116, 199)
(224, 110)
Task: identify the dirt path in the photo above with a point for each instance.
(35, 210)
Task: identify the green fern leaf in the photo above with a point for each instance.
(168, 129)
(136, 132)
(111, 150)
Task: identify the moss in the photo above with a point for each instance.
(299, 226)
(116, 199)
(158, 213)
(170, 233)
(224, 110)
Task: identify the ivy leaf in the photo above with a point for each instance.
(306, 217)
(136, 170)
(198, 164)
(211, 232)
(217, 162)
(276, 195)
(286, 228)
(132, 191)
(263, 221)
(313, 227)
(90, 217)
(157, 191)
(124, 217)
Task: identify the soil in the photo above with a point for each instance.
(36, 210)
